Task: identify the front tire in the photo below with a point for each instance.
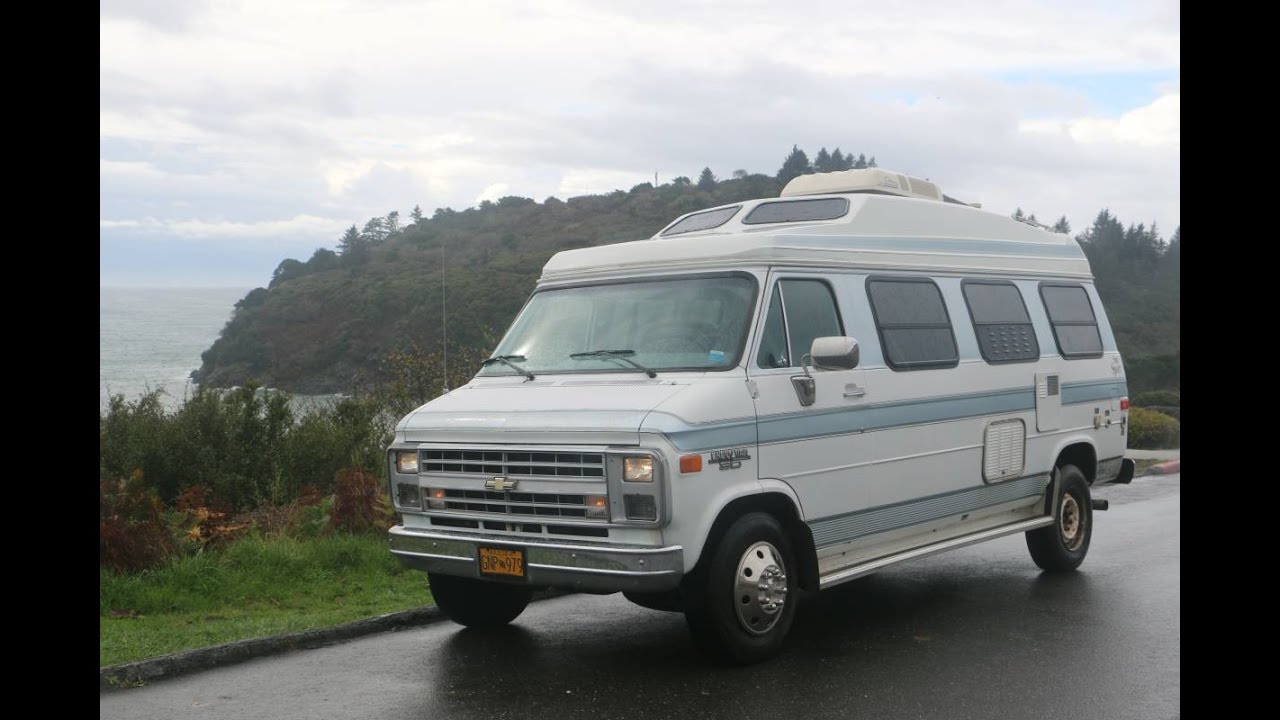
(477, 603)
(1061, 547)
(740, 609)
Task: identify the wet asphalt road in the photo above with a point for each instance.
(974, 633)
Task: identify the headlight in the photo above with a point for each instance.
(408, 496)
(640, 507)
(407, 462)
(637, 469)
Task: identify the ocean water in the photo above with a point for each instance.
(151, 338)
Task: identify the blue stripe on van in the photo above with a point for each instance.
(1093, 390)
(944, 245)
(843, 528)
(840, 421)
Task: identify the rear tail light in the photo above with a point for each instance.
(1124, 403)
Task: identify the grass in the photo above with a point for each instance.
(253, 588)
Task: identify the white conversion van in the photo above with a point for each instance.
(765, 398)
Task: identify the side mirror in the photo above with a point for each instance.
(834, 353)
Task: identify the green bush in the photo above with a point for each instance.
(1150, 429)
(1158, 398)
(247, 448)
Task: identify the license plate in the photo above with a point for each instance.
(503, 562)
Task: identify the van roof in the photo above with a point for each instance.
(877, 233)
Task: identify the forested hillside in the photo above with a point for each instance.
(325, 324)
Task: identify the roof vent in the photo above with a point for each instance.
(869, 180)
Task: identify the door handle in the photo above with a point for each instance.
(852, 390)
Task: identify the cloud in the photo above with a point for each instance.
(238, 113)
(1155, 124)
(306, 230)
(493, 192)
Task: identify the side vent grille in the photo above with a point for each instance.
(1003, 450)
(1052, 385)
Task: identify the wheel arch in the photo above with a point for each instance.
(785, 510)
(1081, 453)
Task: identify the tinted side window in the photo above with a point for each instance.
(702, 221)
(1075, 328)
(797, 211)
(799, 311)
(1000, 320)
(915, 329)
(773, 344)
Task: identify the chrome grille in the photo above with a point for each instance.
(516, 503)
(512, 463)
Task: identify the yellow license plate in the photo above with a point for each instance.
(501, 561)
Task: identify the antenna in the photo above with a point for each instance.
(444, 312)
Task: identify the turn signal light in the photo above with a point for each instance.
(597, 506)
(435, 499)
(690, 464)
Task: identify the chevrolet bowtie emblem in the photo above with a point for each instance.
(500, 484)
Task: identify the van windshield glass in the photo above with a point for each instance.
(684, 324)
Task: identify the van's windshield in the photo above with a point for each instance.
(696, 323)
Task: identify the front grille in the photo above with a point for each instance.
(513, 463)
(516, 503)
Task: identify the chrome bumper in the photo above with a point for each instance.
(601, 568)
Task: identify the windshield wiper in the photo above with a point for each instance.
(506, 360)
(621, 355)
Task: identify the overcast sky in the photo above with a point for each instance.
(236, 134)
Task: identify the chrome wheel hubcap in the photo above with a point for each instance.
(1071, 523)
(760, 588)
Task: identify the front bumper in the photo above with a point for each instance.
(599, 568)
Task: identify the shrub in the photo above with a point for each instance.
(1150, 429)
(132, 535)
(356, 506)
(1158, 398)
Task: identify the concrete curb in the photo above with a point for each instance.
(1164, 468)
(140, 672)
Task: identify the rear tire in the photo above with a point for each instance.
(740, 609)
(1061, 547)
(478, 603)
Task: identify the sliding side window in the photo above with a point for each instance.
(1075, 328)
(1001, 322)
(911, 317)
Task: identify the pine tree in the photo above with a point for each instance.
(374, 230)
(707, 180)
(1031, 218)
(796, 164)
(416, 214)
(822, 161)
(861, 162)
(872, 162)
(353, 246)
(838, 160)
(1017, 215)
(391, 225)
(1062, 226)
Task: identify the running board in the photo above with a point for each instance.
(871, 566)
